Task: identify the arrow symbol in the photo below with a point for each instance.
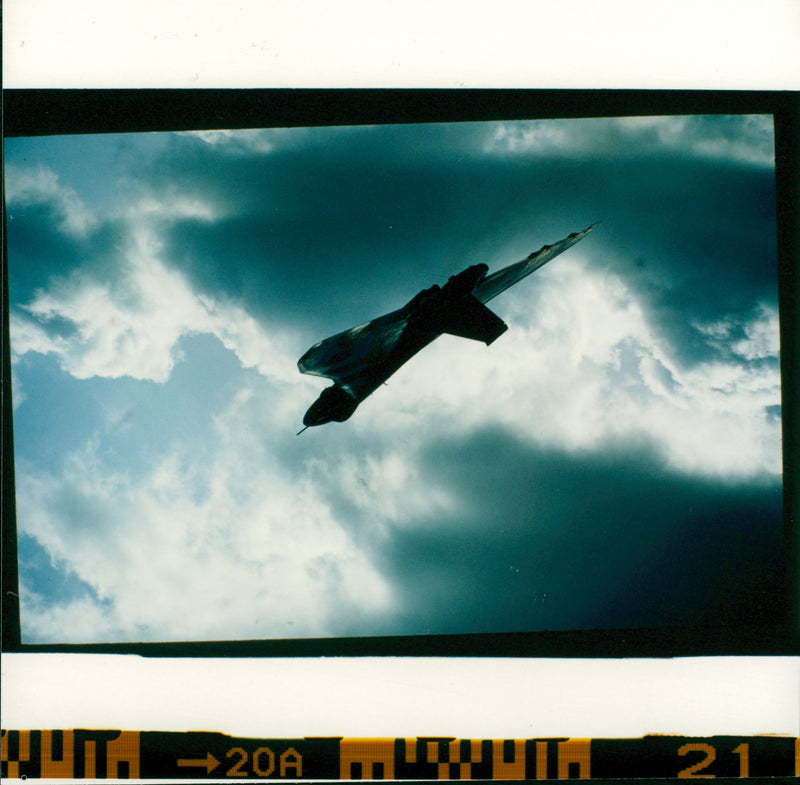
(209, 762)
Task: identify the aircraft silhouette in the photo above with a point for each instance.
(359, 360)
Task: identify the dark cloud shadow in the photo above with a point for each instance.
(547, 539)
(333, 231)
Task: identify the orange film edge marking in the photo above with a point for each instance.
(24, 752)
(797, 757)
(366, 752)
(58, 769)
(541, 760)
(515, 770)
(575, 751)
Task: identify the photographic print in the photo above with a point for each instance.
(596, 448)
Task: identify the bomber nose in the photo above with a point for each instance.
(333, 404)
(315, 415)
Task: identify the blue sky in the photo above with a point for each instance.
(613, 460)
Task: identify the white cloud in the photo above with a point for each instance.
(220, 138)
(170, 207)
(668, 130)
(541, 136)
(258, 141)
(226, 542)
(581, 366)
(213, 546)
(762, 336)
(18, 395)
(745, 138)
(132, 327)
(752, 141)
(761, 339)
(41, 186)
(79, 620)
(393, 477)
(240, 142)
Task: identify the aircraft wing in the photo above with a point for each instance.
(360, 358)
(350, 358)
(498, 282)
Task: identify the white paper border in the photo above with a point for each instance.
(692, 44)
(684, 44)
(405, 697)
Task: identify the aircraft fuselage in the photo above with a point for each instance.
(424, 318)
(362, 358)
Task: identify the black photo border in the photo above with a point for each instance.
(37, 112)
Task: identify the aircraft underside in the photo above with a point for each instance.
(359, 360)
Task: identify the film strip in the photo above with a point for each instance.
(150, 755)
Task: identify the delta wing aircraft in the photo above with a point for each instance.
(359, 360)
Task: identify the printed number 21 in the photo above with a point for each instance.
(691, 772)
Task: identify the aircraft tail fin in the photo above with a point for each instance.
(468, 317)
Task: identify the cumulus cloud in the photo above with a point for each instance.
(245, 140)
(180, 499)
(132, 327)
(73, 620)
(744, 138)
(582, 365)
(259, 142)
(301, 540)
(215, 546)
(40, 186)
